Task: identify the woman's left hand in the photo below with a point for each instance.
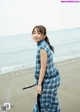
(39, 89)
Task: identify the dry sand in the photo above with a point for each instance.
(11, 85)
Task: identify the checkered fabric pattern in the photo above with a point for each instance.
(49, 97)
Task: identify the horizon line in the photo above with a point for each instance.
(47, 31)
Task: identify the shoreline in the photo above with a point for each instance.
(11, 85)
(56, 63)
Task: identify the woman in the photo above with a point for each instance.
(46, 74)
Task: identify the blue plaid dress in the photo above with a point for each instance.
(49, 97)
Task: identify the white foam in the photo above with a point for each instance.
(14, 68)
(7, 69)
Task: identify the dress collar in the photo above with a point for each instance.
(40, 42)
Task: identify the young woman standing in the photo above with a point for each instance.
(46, 74)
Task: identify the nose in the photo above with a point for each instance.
(35, 36)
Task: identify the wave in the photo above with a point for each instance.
(7, 69)
(16, 51)
(68, 43)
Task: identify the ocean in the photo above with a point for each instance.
(19, 51)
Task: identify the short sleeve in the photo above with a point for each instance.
(44, 47)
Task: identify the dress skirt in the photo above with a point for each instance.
(49, 97)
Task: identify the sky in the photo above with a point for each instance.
(20, 16)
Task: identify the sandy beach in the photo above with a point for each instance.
(11, 85)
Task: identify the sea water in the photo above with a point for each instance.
(19, 51)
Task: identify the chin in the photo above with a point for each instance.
(36, 41)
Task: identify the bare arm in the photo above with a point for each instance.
(43, 60)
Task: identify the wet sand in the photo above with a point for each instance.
(11, 85)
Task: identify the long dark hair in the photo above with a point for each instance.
(42, 30)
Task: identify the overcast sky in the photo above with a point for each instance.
(20, 16)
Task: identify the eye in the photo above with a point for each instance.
(33, 32)
(39, 33)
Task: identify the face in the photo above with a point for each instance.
(37, 36)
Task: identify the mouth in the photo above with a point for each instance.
(36, 38)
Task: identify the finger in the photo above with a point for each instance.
(40, 92)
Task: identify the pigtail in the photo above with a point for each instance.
(51, 47)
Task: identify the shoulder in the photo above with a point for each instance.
(44, 46)
(43, 53)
